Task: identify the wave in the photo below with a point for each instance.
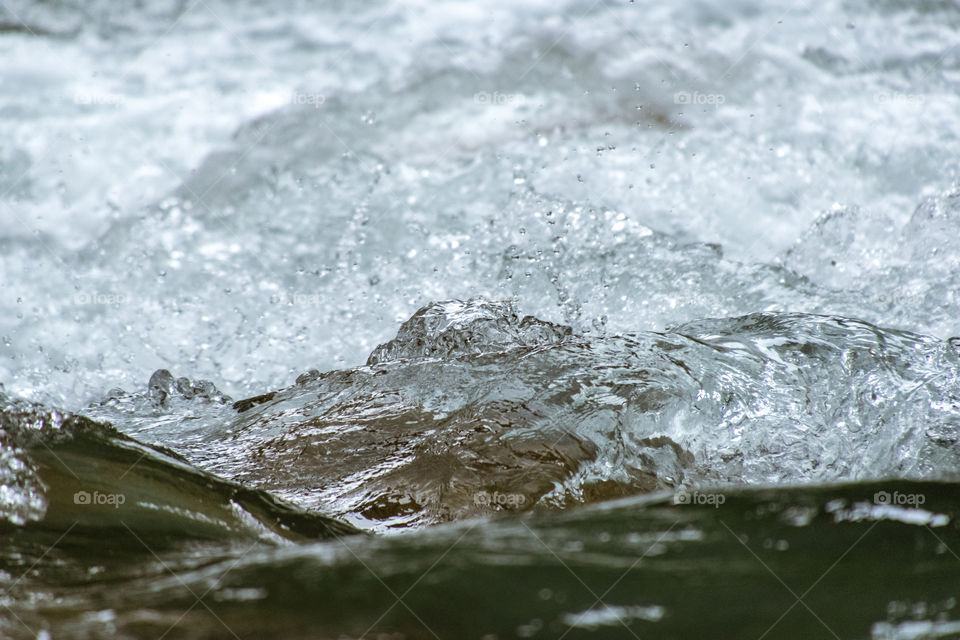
(474, 409)
(63, 471)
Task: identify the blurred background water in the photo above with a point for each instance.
(244, 192)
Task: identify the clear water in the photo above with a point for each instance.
(734, 225)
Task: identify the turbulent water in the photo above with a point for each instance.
(538, 319)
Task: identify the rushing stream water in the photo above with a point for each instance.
(443, 320)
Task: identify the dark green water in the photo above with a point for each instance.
(817, 562)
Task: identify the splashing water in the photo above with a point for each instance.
(642, 262)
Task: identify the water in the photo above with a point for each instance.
(620, 570)
(632, 250)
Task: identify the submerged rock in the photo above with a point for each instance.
(470, 410)
(467, 411)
